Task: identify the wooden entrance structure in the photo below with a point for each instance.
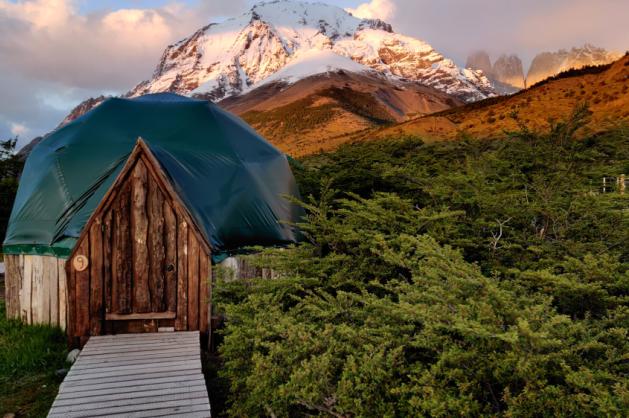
(141, 263)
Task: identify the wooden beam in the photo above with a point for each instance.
(140, 316)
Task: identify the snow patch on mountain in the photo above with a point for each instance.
(314, 62)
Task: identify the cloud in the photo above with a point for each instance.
(52, 56)
(375, 9)
(49, 40)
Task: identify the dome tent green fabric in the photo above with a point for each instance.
(233, 182)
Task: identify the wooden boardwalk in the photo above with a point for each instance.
(135, 375)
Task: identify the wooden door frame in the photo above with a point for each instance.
(140, 151)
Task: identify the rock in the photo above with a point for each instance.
(72, 356)
(61, 372)
(506, 74)
(508, 70)
(9, 415)
(548, 64)
(479, 60)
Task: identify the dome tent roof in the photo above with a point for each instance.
(231, 180)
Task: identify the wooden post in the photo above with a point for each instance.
(621, 184)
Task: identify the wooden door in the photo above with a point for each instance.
(139, 229)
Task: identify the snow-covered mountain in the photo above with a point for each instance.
(287, 40)
(547, 64)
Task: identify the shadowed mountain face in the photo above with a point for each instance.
(604, 88)
(319, 112)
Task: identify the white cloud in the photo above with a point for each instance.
(52, 56)
(375, 9)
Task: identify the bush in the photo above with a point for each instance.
(374, 318)
(474, 278)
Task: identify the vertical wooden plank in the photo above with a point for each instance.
(63, 294)
(52, 266)
(181, 322)
(25, 290)
(96, 277)
(170, 262)
(139, 227)
(156, 246)
(45, 294)
(71, 305)
(205, 295)
(51, 284)
(193, 281)
(10, 280)
(38, 298)
(107, 274)
(82, 286)
(122, 253)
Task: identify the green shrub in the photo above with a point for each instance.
(468, 278)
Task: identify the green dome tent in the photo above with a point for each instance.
(231, 180)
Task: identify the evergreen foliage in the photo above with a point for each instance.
(10, 169)
(471, 278)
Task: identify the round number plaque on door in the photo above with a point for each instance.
(80, 262)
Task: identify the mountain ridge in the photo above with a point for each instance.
(508, 76)
(603, 88)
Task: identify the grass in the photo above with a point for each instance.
(29, 357)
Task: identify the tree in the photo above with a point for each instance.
(10, 169)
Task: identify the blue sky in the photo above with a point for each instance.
(56, 53)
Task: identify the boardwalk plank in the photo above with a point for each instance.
(177, 376)
(109, 368)
(111, 358)
(127, 387)
(137, 398)
(78, 411)
(188, 411)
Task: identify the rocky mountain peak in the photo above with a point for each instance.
(547, 64)
(479, 60)
(237, 55)
(508, 70)
(506, 73)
